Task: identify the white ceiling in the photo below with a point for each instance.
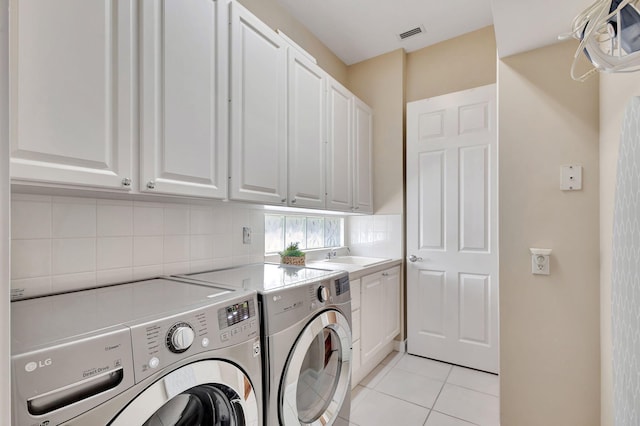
(356, 30)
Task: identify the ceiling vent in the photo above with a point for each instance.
(411, 33)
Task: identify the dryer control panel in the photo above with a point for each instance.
(287, 306)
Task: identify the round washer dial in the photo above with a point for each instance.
(180, 337)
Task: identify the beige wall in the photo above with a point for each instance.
(550, 349)
(379, 82)
(615, 92)
(270, 12)
(462, 63)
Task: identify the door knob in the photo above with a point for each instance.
(414, 258)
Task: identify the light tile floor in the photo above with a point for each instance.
(407, 390)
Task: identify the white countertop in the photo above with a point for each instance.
(355, 271)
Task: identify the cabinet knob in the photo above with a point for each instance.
(385, 274)
(293, 201)
(284, 200)
(151, 185)
(126, 182)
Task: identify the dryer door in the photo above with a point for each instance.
(203, 393)
(317, 375)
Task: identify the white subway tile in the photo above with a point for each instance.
(74, 220)
(30, 287)
(30, 258)
(74, 255)
(225, 262)
(144, 272)
(148, 220)
(201, 220)
(115, 220)
(175, 268)
(147, 251)
(30, 219)
(223, 219)
(201, 247)
(114, 276)
(176, 220)
(222, 245)
(201, 266)
(73, 282)
(176, 248)
(114, 252)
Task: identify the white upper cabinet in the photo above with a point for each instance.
(71, 97)
(184, 97)
(258, 110)
(306, 148)
(362, 146)
(339, 147)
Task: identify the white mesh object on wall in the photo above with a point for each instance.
(625, 281)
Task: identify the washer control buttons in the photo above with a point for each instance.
(180, 337)
(205, 342)
(154, 362)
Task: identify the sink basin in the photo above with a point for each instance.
(356, 260)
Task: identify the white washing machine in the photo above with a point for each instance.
(154, 352)
(306, 331)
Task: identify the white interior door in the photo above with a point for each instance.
(452, 273)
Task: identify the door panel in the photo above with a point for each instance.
(72, 100)
(184, 98)
(452, 284)
(306, 163)
(258, 110)
(339, 152)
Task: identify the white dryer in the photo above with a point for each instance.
(154, 352)
(306, 331)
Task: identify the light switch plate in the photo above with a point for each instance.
(246, 235)
(571, 177)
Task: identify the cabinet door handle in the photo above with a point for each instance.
(385, 274)
(126, 182)
(151, 185)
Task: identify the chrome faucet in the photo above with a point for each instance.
(332, 253)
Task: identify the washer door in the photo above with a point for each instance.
(318, 371)
(203, 393)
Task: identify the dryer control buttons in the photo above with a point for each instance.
(180, 337)
(323, 294)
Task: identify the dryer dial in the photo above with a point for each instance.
(323, 294)
(180, 337)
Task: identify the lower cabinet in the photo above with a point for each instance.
(376, 319)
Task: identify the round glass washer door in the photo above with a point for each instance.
(203, 393)
(318, 371)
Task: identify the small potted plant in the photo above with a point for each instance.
(292, 255)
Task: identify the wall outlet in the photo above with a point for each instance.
(246, 235)
(540, 261)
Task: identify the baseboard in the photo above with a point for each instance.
(400, 345)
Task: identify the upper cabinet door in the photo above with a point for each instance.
(362, 146)
(339, 152)
(306, 106)
(184, 100)
(258, 110)
(71, 96)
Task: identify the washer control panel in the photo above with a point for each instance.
(160, 343)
